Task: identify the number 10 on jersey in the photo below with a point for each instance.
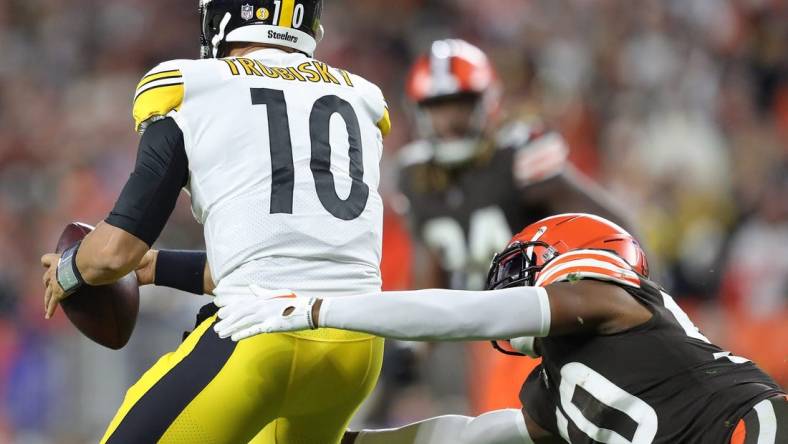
(282, 169)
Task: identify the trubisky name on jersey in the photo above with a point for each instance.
(312, 71)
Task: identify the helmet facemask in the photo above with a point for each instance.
(212, 36)
(468, 120)
(517, 266)
(205, 50)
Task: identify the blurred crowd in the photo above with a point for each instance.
(679, 107)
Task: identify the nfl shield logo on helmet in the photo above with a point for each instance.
(247, 12)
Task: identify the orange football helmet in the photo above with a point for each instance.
(452, 67)
(540, 244)
(544, 241)
(454, 70)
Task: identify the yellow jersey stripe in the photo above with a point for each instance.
(173, 76)
(385, 123)
(140, 93)
(286, 15)
(157, 101)
(159, 75)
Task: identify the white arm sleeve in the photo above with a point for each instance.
(442, 314)
(497, 427)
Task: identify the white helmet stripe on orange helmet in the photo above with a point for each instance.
(451, 66)
(443, 80)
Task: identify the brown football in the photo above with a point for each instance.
(107, 313)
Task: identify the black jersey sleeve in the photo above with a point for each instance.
(150, 194)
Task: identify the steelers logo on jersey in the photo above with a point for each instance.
(263, 14)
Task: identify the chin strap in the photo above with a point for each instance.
(504, 350)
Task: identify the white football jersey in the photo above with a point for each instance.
(284, 156)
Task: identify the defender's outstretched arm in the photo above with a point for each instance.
(435, 314)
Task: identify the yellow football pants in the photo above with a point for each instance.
(299, 388)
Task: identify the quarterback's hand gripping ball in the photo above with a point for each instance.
(255, 310)
(107, 313)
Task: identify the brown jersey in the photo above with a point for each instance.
(659, 382)
(467, 213)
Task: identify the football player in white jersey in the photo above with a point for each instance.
(280, 155)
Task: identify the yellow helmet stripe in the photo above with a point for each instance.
(286, 15)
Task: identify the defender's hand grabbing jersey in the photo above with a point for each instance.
(283, 156)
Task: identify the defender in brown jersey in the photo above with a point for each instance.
(621, 362)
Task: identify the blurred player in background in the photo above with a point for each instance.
(265, 139)
(622, 363)
(471, 179)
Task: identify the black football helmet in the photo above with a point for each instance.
(291, 23)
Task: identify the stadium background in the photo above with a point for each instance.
(679, 107)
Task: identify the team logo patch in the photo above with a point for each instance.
(263, 14)
(247, 12)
